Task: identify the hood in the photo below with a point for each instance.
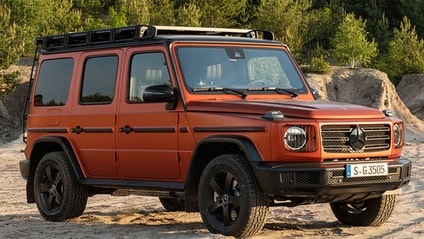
(289, 108)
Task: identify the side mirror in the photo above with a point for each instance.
(315, 92)
(160, 93)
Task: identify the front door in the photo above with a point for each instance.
(147, 141)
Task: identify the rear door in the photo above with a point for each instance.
(93, 117)
(147, 141)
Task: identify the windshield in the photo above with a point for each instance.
(252, 70)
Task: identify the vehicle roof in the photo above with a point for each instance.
(147, 34)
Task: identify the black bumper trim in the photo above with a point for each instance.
(307, 180)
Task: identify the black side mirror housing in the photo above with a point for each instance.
(160, 93)
(315, 93)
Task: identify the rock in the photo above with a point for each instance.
(11, 107)
(410, 90)
(370, 88)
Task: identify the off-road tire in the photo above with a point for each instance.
(58, 194)
(230, 200)
(371, 212)
(172, 204)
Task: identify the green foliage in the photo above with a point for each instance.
(11, 48)
(162, 13)
(406, 52)
(12, 44)
(311, 28)
(188, 15)
(350, 44)
(66, 19)
(318, 65)
(319, 27)
(31, 18)
(288, 20)
(377, 25)
(117, 18)
(137, 11)
(414, 10)
(221, 13)
(8, 83)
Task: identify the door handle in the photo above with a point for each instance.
(77, 130)
(127, 129)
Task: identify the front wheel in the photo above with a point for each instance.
(58, 194)
(370, 212)
(230, 200)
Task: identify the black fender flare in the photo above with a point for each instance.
(56, 143)
(63, 145)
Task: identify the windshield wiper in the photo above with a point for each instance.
(275, 89)
(242, 94)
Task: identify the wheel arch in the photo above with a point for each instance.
(206, 150)
(45, 145)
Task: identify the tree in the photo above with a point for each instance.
(137, 11)
(377, 25)
(413, 9)
(350, 43)
(65, 18)
(188, 15)
(31, 18)
(221, 13)
(117, 18)
(288, 20)
(319, 30)
(406, 52)
(162, 12)
(11, 48)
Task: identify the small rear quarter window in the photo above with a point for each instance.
(53, 82)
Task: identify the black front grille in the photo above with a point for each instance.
(335, 138)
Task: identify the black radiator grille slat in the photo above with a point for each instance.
(335, 138)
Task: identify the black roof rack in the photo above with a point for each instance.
(138, 32)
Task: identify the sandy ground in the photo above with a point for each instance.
(143, 217)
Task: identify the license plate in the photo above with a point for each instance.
(366, 170)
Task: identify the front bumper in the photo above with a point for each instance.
(324, 182)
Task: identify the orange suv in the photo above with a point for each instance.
(220, 121)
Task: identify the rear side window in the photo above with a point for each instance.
(53, 82)
(99, 79)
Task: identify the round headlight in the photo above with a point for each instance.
(295, 138)
(398, 135)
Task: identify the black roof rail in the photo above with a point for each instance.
(138, 32)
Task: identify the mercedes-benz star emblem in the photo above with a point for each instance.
(357, 138)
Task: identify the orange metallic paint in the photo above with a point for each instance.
(166, 156)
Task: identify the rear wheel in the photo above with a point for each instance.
(230, 199)
(58, 194)
(172, 204)
(371, 212)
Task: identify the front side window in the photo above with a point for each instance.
(254, 70)
(147, 69)
(99, 80)
(53, 82)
